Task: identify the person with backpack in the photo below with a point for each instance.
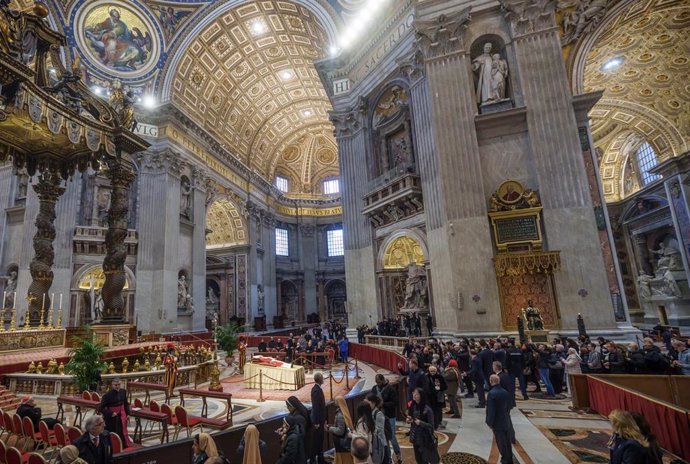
(389, 402)
(382, 431)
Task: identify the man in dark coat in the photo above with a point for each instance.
(115, 409)
(416, 378)
(615, 361)
(94, 446)
(487, 357)
(318, 418)
(516, 367)
(477, 376)
(508, 384)
(498, 418)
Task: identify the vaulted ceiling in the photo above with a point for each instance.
(248, 78)
(647, 94)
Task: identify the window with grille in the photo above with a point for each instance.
(335, 242)
(282, 183)
(331, 186)
(646, 159)
(282, 242)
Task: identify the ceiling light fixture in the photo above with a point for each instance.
(97, 90)
(286, 75)
(307, 113)
(360, 23)
(333, 50)
(612, 63)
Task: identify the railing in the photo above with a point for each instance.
(670, 423)
(56, 384)
(394, 342)
(178, 333)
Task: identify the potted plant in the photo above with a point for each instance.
(85, 363)
(228, 338)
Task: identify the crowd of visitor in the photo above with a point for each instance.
(407, 325)
(330, 340)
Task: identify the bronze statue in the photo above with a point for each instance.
(533, 317)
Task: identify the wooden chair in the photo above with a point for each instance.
(30, 435)
(3, 452)
(47, 437)
(172, 418)
(115, 443)
(73, 433)
(14, 456)
(35, 458)
(186, 421)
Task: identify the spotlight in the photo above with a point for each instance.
(286, 75)
(333, 50)
(97, 90)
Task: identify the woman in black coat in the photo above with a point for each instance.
(293, 446)
(627, 444)
(421, 420)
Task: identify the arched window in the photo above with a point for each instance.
(646, 159)
(282, 184)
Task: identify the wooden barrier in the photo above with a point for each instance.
(673, 389)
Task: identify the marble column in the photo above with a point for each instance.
(198, 258)
(360, 272)
(308, 258)
(461, 253)
(269, 268)
(121, 174)
(48, 190)
(157, 260)
(569, 221)
(7, 179)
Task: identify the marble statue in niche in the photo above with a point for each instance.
(415, 288)
(10, 288)
(22, 187)
(644, 289)
(492, 74)
(103, 205)
(669, 259)
(260, 298)
(393, 139)
(183, 294)
(186, 198)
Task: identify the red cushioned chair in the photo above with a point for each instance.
(115, 443)
(86, 395)
(186, 421)
(35, 458)
(14, 456)
(138, 403)
(3, 429)
(95, 396)
(153, 406)
(18, 430)
(3, 452)
(47, 437)
(172, 419)
(73, 433)
(60, 435)
(31, 436)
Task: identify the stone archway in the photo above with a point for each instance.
(85, 295)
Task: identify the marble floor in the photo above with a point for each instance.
(547, 431)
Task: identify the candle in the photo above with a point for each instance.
(14, 302)
(60, 300)
(43, 303)
(4, 296)
(52, 300)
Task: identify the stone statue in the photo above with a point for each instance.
(415, 288)
(260, 298)
(583, 20)
(186, 199)
(491, 75)
(10, 289)
(671, 288)
(669, 259)
(189, 306)
(98, 305)
(644, 289)
(103, 207)
(499, 74)
(211, 298)
(533, 317)
(182, 292)
(22, 186)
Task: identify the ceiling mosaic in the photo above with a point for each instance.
(248, 78)
(640, 60)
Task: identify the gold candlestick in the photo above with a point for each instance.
(50, 318)
(2, 318)
(30, 298)
(12, 327)
(59, 321)
(43, 312)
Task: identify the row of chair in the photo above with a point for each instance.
(89, 395)
(12, 455)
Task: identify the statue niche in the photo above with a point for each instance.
(490, 69)
(393, 133)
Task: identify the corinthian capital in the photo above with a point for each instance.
(348, 123)
(412, 67)
(529, 16)
(443, 35)
(160, 161)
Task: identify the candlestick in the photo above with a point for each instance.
(12, 327)
(2, 318)
(27, 324)
(30, 298)
(41, 316)
(50, 318)
(59, 321)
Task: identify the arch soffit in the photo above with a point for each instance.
(409, 233)
(228, 225)
(86, 268)
(629, 210)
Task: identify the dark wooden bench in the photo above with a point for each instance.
(208, 394)
(80, 404)
(146, 413)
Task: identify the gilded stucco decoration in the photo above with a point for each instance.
(307, 160)
(402, 251)
(249, 79)
(227, 225)
(639, 58)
